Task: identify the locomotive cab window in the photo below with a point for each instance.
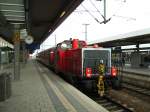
(63, 45)
(66, 46)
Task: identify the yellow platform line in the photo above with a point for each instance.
(60, 96)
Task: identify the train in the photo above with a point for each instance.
(79, 62)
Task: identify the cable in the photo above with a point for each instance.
(96, 9)
(115, 12)
(124, 17)
(128, 18)
(105, 21)
(91, 14)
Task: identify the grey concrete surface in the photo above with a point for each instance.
(39, 91)
(144, 71)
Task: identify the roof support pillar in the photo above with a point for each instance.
(24, 53)
(137, 46)
(0, 60)
(17, 53)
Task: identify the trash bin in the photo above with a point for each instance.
(2, 87)
(8, 85)
(5, 86)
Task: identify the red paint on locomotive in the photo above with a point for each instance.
(72, 58)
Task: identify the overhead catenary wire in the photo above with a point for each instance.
(103, 16)
(122, 2)
(96, 9)
(91, 14)
(119, 7)
(123, 17)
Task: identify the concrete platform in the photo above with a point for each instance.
(137, 76)
(40, 90)
(140, 71)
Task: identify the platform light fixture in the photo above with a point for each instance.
(50, 30)
(11, 4)
(62, 14)
(15, 19)
(17, 11)
(19, 16)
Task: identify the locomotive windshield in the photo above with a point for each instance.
(68, 44)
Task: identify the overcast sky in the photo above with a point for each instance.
(126, 16)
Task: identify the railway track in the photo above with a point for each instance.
(139, 80)
(139, 94)
(137, 85)
(107, 102)
(111, 105)
(116, 105)
(133, 73)
(137, 89)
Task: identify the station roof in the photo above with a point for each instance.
(40, 17)
(131, 38)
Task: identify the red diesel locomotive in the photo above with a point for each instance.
(78, 61)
